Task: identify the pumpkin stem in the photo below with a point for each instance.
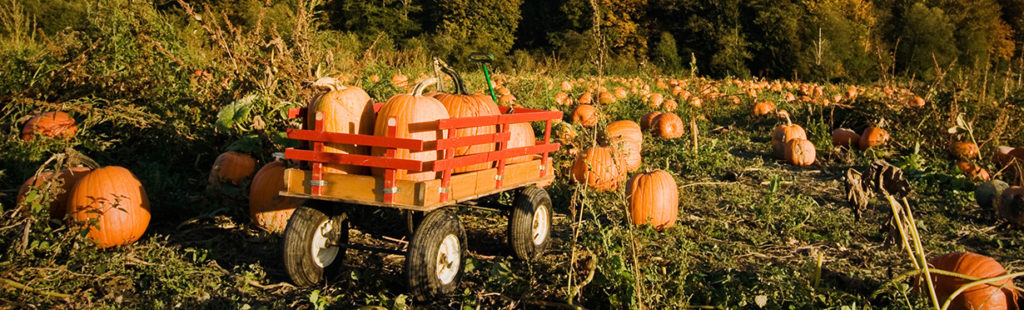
(328, 84)
(422, 85)
(786, 115)
(460, 85)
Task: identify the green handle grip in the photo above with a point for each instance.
(481, 57)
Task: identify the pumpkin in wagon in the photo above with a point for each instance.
(462, 104)
(415, 117)
(345, 109)
(114, 205)
(653, 199)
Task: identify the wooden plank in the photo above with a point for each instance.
(355, 139)
(365, 189)
(358, 160)
(467, 122)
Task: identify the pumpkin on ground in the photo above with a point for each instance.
(50, 124)
(69, 177)
(462, 104)
(1003, 156)
(112, 197)
(268, 209)
(972, 171)
(987, 193)
(800, 152)
(585, 115)
(963, 150)
(873, 136)
(782, 134)
(763, 108)
(647, 122)
(992, 296)
(232, 166)
(656, 100)
(605, 98)
(599, 167)
(843, 137)
(415, 118)
(668, 125)
(627, 139)
(653, 199)
(345, 110)
(1010, 205)
(400, 80)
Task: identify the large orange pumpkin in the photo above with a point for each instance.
(647, 121)
(873, 136)
(232, 166)
(585, 115)
(599, 168)
(998, 295)
(653, 199)
(267, 208)
(799, 152)
(462, 104)
(69, 177)
(345, 110)
(844, 137)
(51, 124)
(521, 135)
(627, 139)
(113, 198)
(782, 134)
(416, 118)
(963, 150)
(668, 125)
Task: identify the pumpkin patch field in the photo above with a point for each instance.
(141, 166)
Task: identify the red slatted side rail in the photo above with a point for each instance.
(316, 183)
(367, 140)
(544, 156)
(473, 159)
(473, 140)
(502, 147)
(390, 188)
(357, 160)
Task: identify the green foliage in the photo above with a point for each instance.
(665, 53)
(476, 26)
(927, 41)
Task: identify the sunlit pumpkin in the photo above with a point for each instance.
(668, 126)
(972, 171)
(521, 135)
(232, 166)
(620, 93)
(627, 138)
(763, 108)
(799, 152)
(50, 124)
(605, 98)
(844, 137)
(462, 104)
(585, 115)
(963, 150)
(345, 110)
(566, 86)
(647, 122)
(68, 177)
(670, 105)
(782, 134)
(873, 136)
(112, 197)
(400, 80)
(563, 99)
(656, 100)
(653, 199)
(997, 295)
(585, 98)
(268, 209)
(599, 168)
(415, 118)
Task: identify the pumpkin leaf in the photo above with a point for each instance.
(281, 138)
(249, 144)
(235, 113)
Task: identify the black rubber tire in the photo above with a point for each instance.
(421, 260)
(520, 223)
(297, 244)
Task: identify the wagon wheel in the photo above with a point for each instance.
(314, 245)
(435, 259)
(529, 224)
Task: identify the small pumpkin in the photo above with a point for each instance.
(1003, 156)
(844, 137)
(232, 166)
(653, 199)
(400, 80)
(114, 198)
(972, 171)
(606, 98)
(599, 167)
(799, 152)
(670, 105)
(992, 296)
(782, 134)
(586, 98)
(69, 177)
(267, 209)
(566, 86)
(763, 108)
(345, 110)
(50, 124)
(627, 138)
(620, 93)
(563, 99)
(416, 118)
(987, 193)
(585, 115)
(1010, 205)
(668, 126)
(656, 100)
(963, 150)
(647, 122)
(873, 136)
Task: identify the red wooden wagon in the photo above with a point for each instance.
(317, 236)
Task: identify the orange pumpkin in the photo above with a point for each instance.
(50, 124)
(972, 171)
(763, 108)
(585, 115)
(268, 209)
(586, 98)
(507, 99)
(345, 110)
(844, 137)
(917, 102)
(656, 100)
(563, 99)
(566, 86)
(799, 152)
(668, 126)
(963, 150)
(996, 295)
(873, 136)
(1003, 156)
(521, 135)
(400, 80)
(620, 93)
(232, 166)
(69, 177)
(599, 168)
(115, 199)
(782, 134)
(647, 121)
(605, 98)
(670, 105)
(462, 104)
(416, 118)
(627, 139)
(1010, 205)
(653, 199)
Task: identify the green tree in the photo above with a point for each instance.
(666, 54)
(483, 25)
(840, 36)
(398, 19)
(926, 40)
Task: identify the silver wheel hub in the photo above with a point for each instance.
(323, 249)
(448, 259)
(541, 224)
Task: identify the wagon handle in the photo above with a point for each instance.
(484, 59)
